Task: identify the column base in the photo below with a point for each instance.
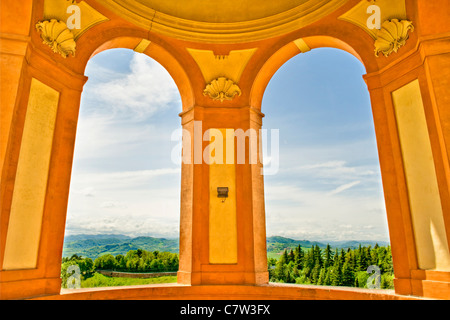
(424, 283)
(30, 288)
(431, 284)
(222, 278)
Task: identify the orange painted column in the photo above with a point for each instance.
(399, 224)
(412, 134)
(14, 43)
(435, 89)
(437, 70)
(222, 240)
(36, 177)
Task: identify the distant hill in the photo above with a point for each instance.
(71, 238)
(355, 244)
(278, 244)
(92, 246)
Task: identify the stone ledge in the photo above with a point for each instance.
(135, 275)
(233, 292)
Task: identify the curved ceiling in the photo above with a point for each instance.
(222, 21)
(219, 11)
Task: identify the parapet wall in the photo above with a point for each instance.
(219, 292)
(109, 273)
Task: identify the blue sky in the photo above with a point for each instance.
(328, 186)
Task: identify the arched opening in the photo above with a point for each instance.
(328, 188)
(124, 204)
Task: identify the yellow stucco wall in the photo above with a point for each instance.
(24, 230)
(222, 212)
(425, 202)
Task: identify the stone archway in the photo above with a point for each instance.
(415, 241)
(42, 83)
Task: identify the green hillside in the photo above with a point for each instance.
(92, 246)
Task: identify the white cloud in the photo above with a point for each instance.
(142, 226)
(122, 181)
(113, 204)
(329, 164)
(120, 125)
(140, 174)
(126, 199)
(337, 169)
(88, 192)
(141, 93)
(344, 187)
(301, 213)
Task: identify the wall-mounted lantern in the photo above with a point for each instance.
(222, 192)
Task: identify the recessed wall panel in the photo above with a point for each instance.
(424, 198)
(25, 221)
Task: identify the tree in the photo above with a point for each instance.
(336, 275)
(322, 277)
(299, 257)
(315, 272)
(348, 277)
(361, 260)
(280, 271)
(85, 265)
(106, 262)
(343, 268)
(317, 255)
(328, 256)
(121, 262)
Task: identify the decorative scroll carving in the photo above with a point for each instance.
(57, 36)
(222, 89)
(392, 36)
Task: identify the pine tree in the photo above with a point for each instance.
(335, 275)
(343, 268)
(309, 260)
(291, 256)
(352, 260)
(342, 257)
(279, 272)
(299, 257)
(315, 272)
(348, 277)
(361, 261)
(317, 255)
(328, 256)
(322, 275)
(285, 257)
(336, 270)
(327, 281)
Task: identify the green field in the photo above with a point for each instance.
(99, 280)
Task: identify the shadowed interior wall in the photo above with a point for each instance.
(24, 230)
(425, 202)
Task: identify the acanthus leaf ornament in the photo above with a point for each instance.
(57, 36)
(392, 36)
(222, 89)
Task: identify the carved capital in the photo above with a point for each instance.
(57, 36)
(392, 36)
(222, 89)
